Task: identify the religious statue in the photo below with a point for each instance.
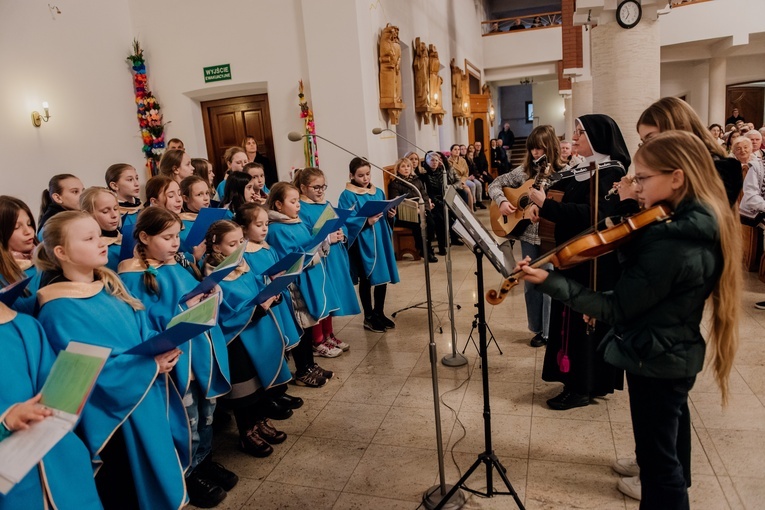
(457, 92)
(390, 73)
(466, 111)
(436, 98)
(421, 80)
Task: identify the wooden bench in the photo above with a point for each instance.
(403, 238)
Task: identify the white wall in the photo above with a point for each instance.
(549, 106)
(76, 62)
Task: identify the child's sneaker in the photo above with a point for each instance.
(326, 374)
(311, 378)
(326, 350)
(336, 342)
(385, 321)
(372, 323)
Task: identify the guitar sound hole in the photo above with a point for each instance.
(523, 202)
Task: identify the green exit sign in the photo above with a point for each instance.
(217, 73)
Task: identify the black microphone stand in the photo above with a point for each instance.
(457, 497)
(455, 359)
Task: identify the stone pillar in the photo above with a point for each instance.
(717, 91)
(568, 118)
(581, 98)
(626, 70)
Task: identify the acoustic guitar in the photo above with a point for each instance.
(514, 224)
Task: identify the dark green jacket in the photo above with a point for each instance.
(669, 270)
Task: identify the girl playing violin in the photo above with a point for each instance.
(656, 306)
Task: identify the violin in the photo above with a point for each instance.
(587, 246)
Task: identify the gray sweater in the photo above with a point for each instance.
(514, 179)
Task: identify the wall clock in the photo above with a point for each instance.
(628, 13)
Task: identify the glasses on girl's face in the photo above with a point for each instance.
(579, 132)
(319, 188)
(638, 180)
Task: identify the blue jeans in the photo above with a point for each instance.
(537, 303)
(200, 411)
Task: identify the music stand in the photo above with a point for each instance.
(482, 243)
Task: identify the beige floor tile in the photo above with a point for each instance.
(386, 470)
(370, 389)
(752, 352)
(227, 453)
(350, 421)
(418, 392)
(710, 450)
(288, 497)
(383, 361)
(506, 397)
(753, 376)
(618, 405)
(624, 441)
(575, 441)
(705, 383)
(309, 461)
(742, 451)
(743, 412)
(510, 369)
(413, 427)
(707, 493)
(751, 491)
(422, 368)
(349, 501)
(562, 485)
(301, 418)
(731, 495)
(596, 411)
(510, 434)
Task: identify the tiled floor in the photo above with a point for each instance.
(367, 439)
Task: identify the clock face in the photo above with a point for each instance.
(628, 14)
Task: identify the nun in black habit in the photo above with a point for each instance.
(571, 356)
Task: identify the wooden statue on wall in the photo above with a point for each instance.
(421, 80)
(390, 73)
(466, 111)
(457, 92)
(436, 97)
(486, 91)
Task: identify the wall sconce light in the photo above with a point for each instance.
(38, 119)
(491, 114)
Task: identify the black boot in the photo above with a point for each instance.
(202, 492)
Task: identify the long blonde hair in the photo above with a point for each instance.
(667, 152)
(55, 234)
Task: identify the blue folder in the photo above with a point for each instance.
(10, 293)
(206, 217)
(375, 207)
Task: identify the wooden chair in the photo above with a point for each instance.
(403, 238)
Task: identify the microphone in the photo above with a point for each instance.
(377, 131)
(294, 136)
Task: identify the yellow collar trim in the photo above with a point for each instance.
(136, 265)
(131, 210)
(24, 264)
(255, 247)
(371, 190)
(6, 314)
(307, 200)
(75, 290)
(189, 216)
(113, 240)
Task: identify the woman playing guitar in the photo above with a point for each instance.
(656, 305)
(571, 356)
(542, 146)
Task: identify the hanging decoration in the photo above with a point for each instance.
(149, 117)
(310, 150)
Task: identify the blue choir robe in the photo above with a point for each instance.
(188, 219)
(26, 304)
(262, 337)
(220, 190)
(375, 242)
(338, 266)
(64, 477)
(260, 257)
(129, 212)
(130, 394)
(285, 236)
(114, 245)
(205, 356)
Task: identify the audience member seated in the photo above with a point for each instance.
(735, 117)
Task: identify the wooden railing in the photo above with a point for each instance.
(530, 22)
(682, 3)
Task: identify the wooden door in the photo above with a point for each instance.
(478, 130)
(228, 121)
(748, 100)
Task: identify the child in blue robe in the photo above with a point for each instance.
(256, 345)
(134, 424)
(102, 205)
(196, 196)
(313, 202)
(122, 180)
(64, 477)
(313, 295)
(371, 246)
(17, 245)
(202, 373)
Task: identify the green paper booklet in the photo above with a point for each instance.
(65, 392)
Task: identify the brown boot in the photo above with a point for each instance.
(267, 431)
(254, 444)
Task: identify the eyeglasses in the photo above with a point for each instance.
(319, 189)
(579, 132)
(639, 180)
